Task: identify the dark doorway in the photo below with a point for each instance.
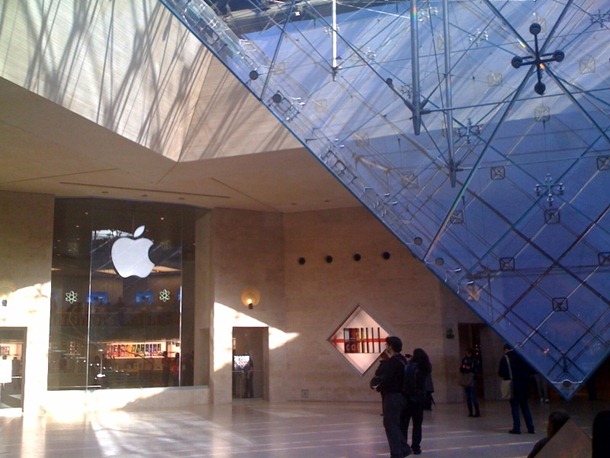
(12, 367)
(249, 362)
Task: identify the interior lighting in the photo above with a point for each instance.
(250, 297)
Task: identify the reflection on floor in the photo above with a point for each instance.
(10, 395)
(255, 428)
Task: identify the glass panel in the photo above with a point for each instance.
(476, 131)
(12, 367)
(118, 297)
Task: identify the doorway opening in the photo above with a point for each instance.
(250, 358)
(470, 339)
(12, 367)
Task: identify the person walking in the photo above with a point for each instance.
(513, 367)
(469, 370)
(422, 372)
(389, 382)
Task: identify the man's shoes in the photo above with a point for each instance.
(531, 431)
(470, 415)
(416, 451)
(514, 431)
(477, 415)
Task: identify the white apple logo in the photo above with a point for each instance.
(130, 255)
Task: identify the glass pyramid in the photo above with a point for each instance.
(477, 131)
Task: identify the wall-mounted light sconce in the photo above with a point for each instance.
(250, 297)
(449, 333)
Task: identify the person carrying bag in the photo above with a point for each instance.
(516, 373)
(506, 386)
(468, 371)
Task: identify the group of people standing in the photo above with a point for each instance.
(405, 384)
(511, 368)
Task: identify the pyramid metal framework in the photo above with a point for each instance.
(477, 131)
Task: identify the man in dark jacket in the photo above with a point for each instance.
(513, 367)
(389, 381)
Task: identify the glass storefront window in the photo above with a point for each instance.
(121, 290)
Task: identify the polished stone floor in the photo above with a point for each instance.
(255, 428)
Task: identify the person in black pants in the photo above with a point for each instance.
(513, 367)
(601, 435)
(415, 403)
(470, 365)
(388, 381)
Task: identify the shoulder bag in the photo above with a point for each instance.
(506, 386)
(466, 379)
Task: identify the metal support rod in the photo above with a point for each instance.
(508, 25)
(474, 169)
(576, 103)
(333, 35)
(277, 48)
(415, 69)
(452, 166)
(551, 34)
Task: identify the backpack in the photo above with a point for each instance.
(413, 384)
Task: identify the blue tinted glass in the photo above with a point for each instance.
(477, 132)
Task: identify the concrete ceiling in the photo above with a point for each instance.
(45, 148)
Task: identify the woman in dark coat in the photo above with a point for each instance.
(415, 409)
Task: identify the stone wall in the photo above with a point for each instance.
(26, 240)
(303, 304)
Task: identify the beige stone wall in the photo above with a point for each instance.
(135, 70)
(304, 304)
(247, 251)
(301, 305)
(26, 240)
(398, 292)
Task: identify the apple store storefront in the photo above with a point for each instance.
(122, 292)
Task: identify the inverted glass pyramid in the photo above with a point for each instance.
(477, 131)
